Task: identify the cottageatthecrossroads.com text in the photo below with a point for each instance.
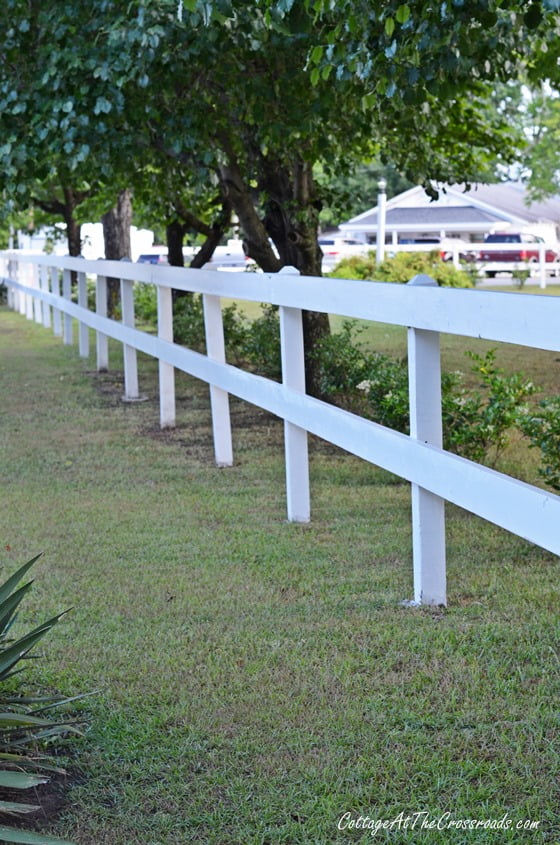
(422, 820)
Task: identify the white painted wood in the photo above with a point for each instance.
(26, 271)
(101, 339)
(295, 438)
(130, 361)
(67, 333)
(44, 285)
(35, 282)
(505, 317)
(219, 399)
(428, 515)
(56, 312)
(530, 320)
(167, 412)
(83, 330)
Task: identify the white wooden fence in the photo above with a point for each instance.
(35, 289)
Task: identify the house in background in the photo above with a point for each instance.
(468, 215)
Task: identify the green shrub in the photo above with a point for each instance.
(401, 268)
(476, 424)
(24, 727)
(145, 303)
(261, 346)
(342, 363)
(385, 388)
(188, 322)
(542, 427)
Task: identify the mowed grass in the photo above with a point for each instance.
(257, 679)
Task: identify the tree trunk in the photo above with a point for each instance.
(175, 233)
(73, 228)
(116, 234)
(256, 237)
(292, 222)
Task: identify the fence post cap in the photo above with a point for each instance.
(424, 280)
(289, 269)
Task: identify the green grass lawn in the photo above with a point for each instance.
(257, 679)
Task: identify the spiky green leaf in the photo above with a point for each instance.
(27, 837)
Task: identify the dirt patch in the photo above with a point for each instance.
(51, 799)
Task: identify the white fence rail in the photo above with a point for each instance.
(35, 290)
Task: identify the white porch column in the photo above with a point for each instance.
(381, 220)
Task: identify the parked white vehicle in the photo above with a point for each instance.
(335, 249)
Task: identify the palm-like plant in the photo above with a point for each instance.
(24, 725)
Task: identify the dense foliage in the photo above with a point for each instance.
(402, 267)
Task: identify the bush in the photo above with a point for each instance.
(402, 268)
(542, 427)
(342, 363)
(261, 345)
(145, 302)
(476, 424)
(188, 321)
(24, 727)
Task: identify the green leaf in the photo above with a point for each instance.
(12, 655)
(20, 780)
(389, 27)
(21, 720)
(14, 807)
(8, 607)
(9, 585)
(27, 837)
(317, 53)
(403, 13)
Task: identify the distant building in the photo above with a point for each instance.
(468, 215)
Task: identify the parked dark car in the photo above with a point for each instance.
(520, 247)
(156, 256)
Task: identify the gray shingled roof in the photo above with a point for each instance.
(433, 216)
(511, 196)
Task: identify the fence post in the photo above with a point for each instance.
(44, 285)
(295, 438)
(131, 393)
(167, 415)
(428, 513)
(35, 282)
(57, 314)
(219, 399)
(101, 340)
(83, 330)
(67, 338)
